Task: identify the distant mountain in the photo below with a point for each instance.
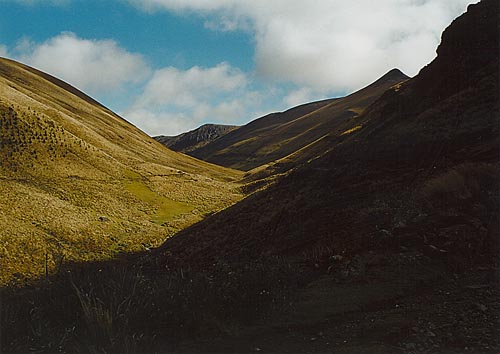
(278, 135)
(78, 182)
(195, 139)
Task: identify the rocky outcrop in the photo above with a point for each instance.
(467, 53)
(197, 138)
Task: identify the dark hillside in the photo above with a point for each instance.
(404, 210)
(376, 178)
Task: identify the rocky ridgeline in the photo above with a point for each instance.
(195, 138)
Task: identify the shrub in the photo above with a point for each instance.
(462, 208)
(462, 186)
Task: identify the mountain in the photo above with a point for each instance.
(393, 230)
(78, 182)
(196, 138)
(278, 135)
(423, 145)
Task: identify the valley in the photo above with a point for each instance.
(362, 224)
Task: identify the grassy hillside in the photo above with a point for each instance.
(279, 135)
(77, 182)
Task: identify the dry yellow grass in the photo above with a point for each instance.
(352, 130)
(78, 182)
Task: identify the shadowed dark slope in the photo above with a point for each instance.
(426, 156)
(280, 134)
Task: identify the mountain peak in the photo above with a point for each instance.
(394, 74)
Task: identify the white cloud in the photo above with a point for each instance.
(174, 101)
(159, 123)
(300, 96)
(171, 86)
(96, 66)
(3, 51)
(224, 24)
(336, 45)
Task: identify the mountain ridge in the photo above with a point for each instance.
(380, 175)
(277, 135)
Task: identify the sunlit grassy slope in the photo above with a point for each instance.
(77, 182)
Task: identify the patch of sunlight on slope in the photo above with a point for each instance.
(352, 130)
(167, 208)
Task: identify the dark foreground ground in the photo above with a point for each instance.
(384, 302)
(400, 303)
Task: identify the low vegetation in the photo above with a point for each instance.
(167, 209)
(463, 208)
(119, 307)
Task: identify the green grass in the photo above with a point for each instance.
(132, 174)
(167, 209)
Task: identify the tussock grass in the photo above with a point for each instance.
(119, 307)
(461, 186)
(462, 206)
(79, 183)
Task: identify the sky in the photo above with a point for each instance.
(169, 66)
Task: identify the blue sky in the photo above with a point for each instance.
(169, 66)
(166, 38)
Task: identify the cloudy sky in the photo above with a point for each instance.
(169, 66)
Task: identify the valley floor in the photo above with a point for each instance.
(403, 303)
